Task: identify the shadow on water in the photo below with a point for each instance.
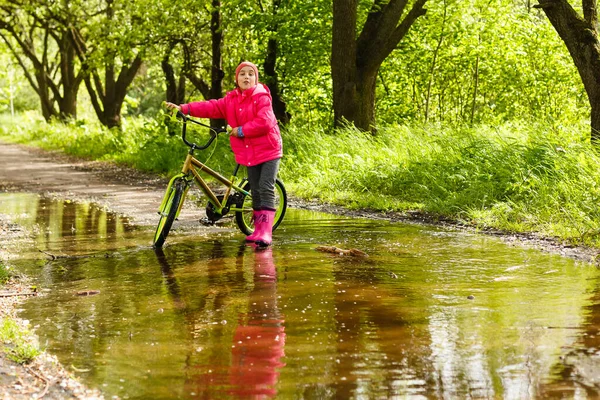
(430, 313)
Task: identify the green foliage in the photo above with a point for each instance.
(18, 344)
(15, 94)
(4, 273)
(470, 62)
(496, 62)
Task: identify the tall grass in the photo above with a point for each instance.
(514, 177)
(518, 178)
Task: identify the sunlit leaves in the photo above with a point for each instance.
(498, 61)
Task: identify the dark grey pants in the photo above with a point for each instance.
(262, 184)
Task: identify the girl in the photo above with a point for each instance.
(255, 140)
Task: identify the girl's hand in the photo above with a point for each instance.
(171, 106)
(234, 132)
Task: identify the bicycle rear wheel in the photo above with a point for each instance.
(243, 218)
(169, 212)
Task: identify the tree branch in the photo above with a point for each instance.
(590, 13)
(381, 33)
(199, 84)
(416, 11)
(20, 62)
(46, 68)
(88, 74)
(381, 22)
(127, 74)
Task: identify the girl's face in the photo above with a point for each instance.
(246, 78)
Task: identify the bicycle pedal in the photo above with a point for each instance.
(206, 222)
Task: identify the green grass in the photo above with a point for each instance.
(532, 177)
(4, 273)
(17, 341)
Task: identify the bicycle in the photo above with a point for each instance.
(236, 198)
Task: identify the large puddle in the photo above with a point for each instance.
(431, 313)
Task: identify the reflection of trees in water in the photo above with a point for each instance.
(257, 343)
(71, 229)
(375, 335)
(579, 369)
(61, 219)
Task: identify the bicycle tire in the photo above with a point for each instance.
(243, 218)
(169, 213)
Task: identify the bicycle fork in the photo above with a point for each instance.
(164, 205)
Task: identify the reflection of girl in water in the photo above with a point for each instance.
(259, 339)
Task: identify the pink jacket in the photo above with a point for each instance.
(251, 109)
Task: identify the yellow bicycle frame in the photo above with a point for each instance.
(192, 165)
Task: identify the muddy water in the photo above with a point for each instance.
(430, 313)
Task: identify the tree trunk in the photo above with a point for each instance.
(46, 105)
(270, 69)
(343, 61)
(355, 62)
(52, 91)
(170, 80)
(272, 81)
(580, 35)
(70, 80)
(175, 86)
(595, 123)
(112, 114)
(365, 95)
(216, 71)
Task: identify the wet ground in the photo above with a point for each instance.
(432, 312)
(429, 312)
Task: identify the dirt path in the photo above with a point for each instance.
(122, 190)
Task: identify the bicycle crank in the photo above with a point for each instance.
(211, 213)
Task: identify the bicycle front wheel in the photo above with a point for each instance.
(243, 218)
(169, 212)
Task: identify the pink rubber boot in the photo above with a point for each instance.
(266, 234)
(257, 227)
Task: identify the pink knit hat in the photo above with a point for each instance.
(246, 64)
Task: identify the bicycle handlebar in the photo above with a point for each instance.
(214, 131)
